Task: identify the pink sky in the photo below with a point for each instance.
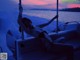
(73, 5)
(45, 3)
(38, 2)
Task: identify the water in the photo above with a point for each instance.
(63, 16)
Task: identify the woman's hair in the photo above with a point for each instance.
(26, 20)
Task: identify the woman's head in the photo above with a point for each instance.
(26, 20)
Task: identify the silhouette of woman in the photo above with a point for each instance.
(36, 31)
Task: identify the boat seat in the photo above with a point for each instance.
(33, 49)
(40, 56)
(32, 45)
(68, 37)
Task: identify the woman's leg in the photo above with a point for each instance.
(47, 41)
(48, 38)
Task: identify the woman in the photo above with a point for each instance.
(36, 31)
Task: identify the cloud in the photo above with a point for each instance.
(73, 5)
(71, 1)
(37, 2)
(50, 4)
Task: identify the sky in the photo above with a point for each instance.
(7, 5)
(50, 3)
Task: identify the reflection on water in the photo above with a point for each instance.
(63, 16)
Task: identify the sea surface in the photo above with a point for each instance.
(64, 16)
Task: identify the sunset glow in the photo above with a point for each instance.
(50, 3)
(73, 5)
(38, 2)
(31, 2)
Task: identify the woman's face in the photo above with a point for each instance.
(30, 25)
(27, 23)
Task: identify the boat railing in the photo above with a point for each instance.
(77, 24)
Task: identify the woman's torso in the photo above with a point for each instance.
(35, 31)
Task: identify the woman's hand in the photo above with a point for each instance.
(56, 16)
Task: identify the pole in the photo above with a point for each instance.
(57, 14)
(20, 12)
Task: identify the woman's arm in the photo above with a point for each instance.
(45, 24)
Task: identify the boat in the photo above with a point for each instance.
(66, 44)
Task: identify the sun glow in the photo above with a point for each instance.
(51, 3)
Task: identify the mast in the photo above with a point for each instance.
(57, 14)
